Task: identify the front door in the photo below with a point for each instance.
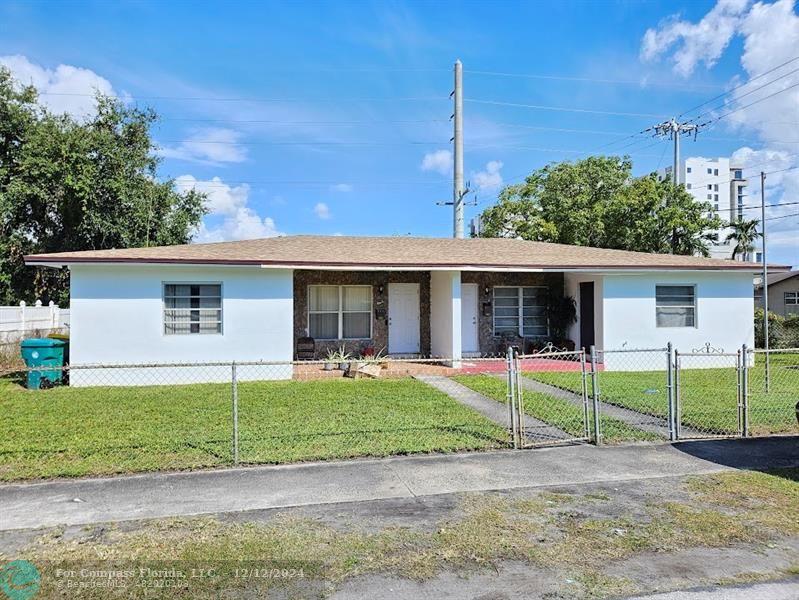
(403, 318)
(470, 340)
(587, 335)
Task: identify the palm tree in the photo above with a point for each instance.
(744, 234)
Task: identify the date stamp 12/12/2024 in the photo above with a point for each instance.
(162, 576)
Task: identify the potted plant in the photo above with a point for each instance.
(330, 360)
(342, 357)
(561, 313)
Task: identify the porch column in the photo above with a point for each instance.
(445, 315)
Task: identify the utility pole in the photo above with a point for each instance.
(765, 273)
(674, 130)
(458, 191)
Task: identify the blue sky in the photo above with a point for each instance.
(317, 117)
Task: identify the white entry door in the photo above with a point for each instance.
(470, 339)
(403, 318)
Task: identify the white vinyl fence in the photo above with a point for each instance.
(18, 322)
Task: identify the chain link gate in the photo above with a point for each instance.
(710, 397)
(547, 398)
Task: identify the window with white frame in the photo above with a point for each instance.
(675, 305)
(340, 312)
(192, 308)
(791, 298)
(520, 311)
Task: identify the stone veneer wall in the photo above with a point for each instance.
(303, 278)
(488, 343)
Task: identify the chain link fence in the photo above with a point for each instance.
(772, 392)
(98, 419)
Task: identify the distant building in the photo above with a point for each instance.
(783, 293)
(721, 184)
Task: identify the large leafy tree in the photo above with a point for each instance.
(597, 202)
(68, 184)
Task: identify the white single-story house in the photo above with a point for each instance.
(253, 300)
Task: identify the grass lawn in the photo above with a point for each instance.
(709, 396)
(91, 431)
(554, 411)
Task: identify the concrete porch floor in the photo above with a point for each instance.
(409, 368)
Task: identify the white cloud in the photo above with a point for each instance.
(64, 89)
(212, 145)
(704, 41)
(770, 35)
(322, 210)
(489, 180)
(439, 161)
(230, 205)
(341, 187)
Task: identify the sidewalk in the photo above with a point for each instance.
(84, 501)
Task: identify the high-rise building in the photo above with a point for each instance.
(721, 184)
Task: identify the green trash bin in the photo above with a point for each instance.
(40, 353)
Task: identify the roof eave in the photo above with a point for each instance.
(52, 261)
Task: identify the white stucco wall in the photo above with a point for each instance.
(445, 314)
(724, 316)
(571, 282)
(117, 318)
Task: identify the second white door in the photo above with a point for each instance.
(403, 318)
(470, 339)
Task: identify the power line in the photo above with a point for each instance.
(774, 205)
(796, 214)
(308, 143)
(740, 108)
(585, 79)
(252, 98)
(300, 182)
(737, 87)
(757, 89)
(560, 108)
(279, 122)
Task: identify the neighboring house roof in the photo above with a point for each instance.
(778, 277)
(313, 251)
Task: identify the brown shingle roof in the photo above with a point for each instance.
(309, 251)
(778, 277)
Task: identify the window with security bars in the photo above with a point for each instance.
(340, 312)
(675, 305)
(520, 311)
(192, 308)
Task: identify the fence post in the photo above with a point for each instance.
(670, 391)
(745, 389)
(677, 401)
(584, 372)
(519, 398)
(512, 397)
(595, 396)
(53, 314)
(235, 394)
(22, 316)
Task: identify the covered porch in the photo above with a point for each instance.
(450, 314)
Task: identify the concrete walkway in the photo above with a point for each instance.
(535, 429)
(84, 501)
(631, 417)
(644, 422)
